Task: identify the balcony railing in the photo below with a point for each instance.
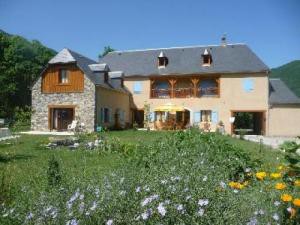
(184, 92)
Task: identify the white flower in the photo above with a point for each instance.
(276, 203)
(161, 209)
(167, 202)
(163, 181)
(253, 221)
(275, 216)
(109, 222)
(81, 207)
(149, 199)
(75, 196)
(145, 215)
(200, 212)
(203, 202)
(204, 178)
(179, 207)
(188, 197)
(5, 215)
(72, 222)
(223, 184)
(186, 190)
(247, 170)
(81, 196)
(122, 180)
(94, 206)
(235, 191)
(138, 189)
(289, 209)
(29, 216)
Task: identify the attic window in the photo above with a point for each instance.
(162, 60)
(63, 76)
(206, 57)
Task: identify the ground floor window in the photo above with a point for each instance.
(60, 118)
(206, 116)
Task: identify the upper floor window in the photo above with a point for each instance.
(206, 57)
(208, 87)
(248, 84)
(63, 76)
(162, 60)
(137, 87)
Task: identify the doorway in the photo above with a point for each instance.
(138, 118)
(60, 118)
(249, 122)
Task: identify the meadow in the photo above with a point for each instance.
(140, 177)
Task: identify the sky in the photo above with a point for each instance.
(270, 27)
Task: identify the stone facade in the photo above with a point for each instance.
(84, 105)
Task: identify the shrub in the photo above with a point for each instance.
(54, 172)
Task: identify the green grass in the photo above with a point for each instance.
(172, 165)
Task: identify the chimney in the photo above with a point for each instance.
(223, 41)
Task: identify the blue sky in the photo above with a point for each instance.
(270, 27)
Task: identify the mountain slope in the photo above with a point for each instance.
(289, 74)
(21, 62)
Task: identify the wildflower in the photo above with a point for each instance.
(138, 189)
(297, 183)
(109, 222)
(261, 175)
(72, 222)
(276, 203)
(204, 178)
(188, 197)
(94, 206)
(81, 207)
(81, 196)
(203, 202)
(29, 216)
(247, 170)
(223, 184)
(236, 185)
(275, 175)
(161, 209)
(149, 199)
(296, 202)
(280, 167)
(253, 221)
(201, 212)
(275, 216)
(145, 215)
(286, 197)
(280, 186)
(179, 207)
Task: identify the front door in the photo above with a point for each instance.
(61, 118)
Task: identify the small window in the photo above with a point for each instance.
(206, 116)
(162, 60)
(137, 87)
(106, 115)
(248, 84)
(63, 76)
(206, 57)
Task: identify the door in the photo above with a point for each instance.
(61, 118)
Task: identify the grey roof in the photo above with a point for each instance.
(98, 67)
(233, 58)
(281, 94)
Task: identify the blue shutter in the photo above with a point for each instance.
(214, 117)
(248, 84)
(197, 117)
(152, 116)
(137, 87)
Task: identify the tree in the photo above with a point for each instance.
(106, 50)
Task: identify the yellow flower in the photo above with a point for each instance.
(297, 183)
(286, 197)
(296, 202)
(280, 186)
(261, 175)
(280, 167)
(275, 175)
(236, 185)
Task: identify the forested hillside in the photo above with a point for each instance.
(21, 62)
(290, 74)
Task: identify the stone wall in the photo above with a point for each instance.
(84, 102)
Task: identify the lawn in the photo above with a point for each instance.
(138, 177)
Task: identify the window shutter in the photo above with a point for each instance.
(197, 117)
(137, 87)
(214, 117)
(152, 116)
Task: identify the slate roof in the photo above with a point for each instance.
(281, 94)
(233, 58)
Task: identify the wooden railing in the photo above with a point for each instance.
(184, 92)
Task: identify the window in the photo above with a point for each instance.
(248, 84)
(206, 57)
(162, 60)
(137, 87)
(208, 87)
(63, 76)
(105, 115)
(206, 116)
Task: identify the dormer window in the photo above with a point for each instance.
(206, 57)
(63, 76)
(162, 60)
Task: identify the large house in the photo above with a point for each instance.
(213, 87)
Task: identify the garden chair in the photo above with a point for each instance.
(73, 125)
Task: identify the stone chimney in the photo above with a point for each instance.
(223, 41)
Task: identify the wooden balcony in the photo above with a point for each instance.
(185, 92)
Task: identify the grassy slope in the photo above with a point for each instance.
(290, 74)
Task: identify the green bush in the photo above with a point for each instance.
(54, 172)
